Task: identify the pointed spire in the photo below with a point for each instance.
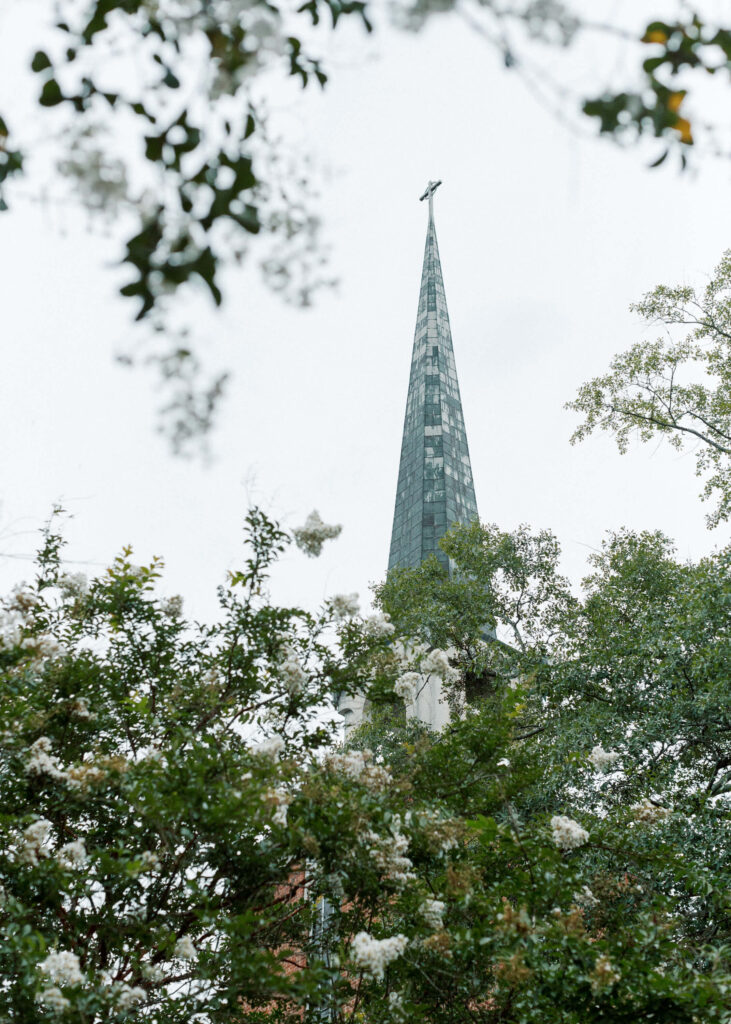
(435, 487)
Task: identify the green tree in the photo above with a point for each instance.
(677, 389)
(612, 710)
(174, 813)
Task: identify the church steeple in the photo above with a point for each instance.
(435, 487)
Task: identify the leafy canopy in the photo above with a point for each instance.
(174, 812)
(676, 389)
(153, 115)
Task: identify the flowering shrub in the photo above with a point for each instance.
(183, 839)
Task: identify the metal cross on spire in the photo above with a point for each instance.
(429, 194)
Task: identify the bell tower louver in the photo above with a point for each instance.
(435, 487)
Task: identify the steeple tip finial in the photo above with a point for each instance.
(429, 191)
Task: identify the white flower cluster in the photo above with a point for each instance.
(604, 974)
(374, 955)
(648, 812)
(79, 708)
(127, 997)
(153, 972)
(34, 840)
(359, 765)
(23, 600)
(72, 855)
(17, 613)
(42, 762)
(567, 834)
(433, 911)
(184, 949)
(293, 675)
(80, 777)
(586, 898)
(344, 606)
(271, 747)
(73, 585)
(378, 625)
(407, 686)
(310, 537)
(389, 853)
(10, 631)
(603, 759)
(43, 645)
(172, 607)
(63, 968)
(396, 1004)
(54, 999)
(437, 663)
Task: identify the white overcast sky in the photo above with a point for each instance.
(545, 239)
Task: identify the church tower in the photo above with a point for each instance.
(435, 487)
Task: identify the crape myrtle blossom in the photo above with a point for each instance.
(35, 837)
(184, 949)
(293, 674)
(311, 537)
(359, 766)
(437, 663)
(344, 606)
(271, 747)
(378, 625)
(153, 972)
(173, 606)
(603, 759)
(17, 614)
(79, 708)
(54, 999)
(389, 853)
(43, 646)
(396, 1004)
(10, 631)
(200, 883)
(433, 912)
(604, 975)
(72, 855)
(648, 812)
(126, 996)
(24, 599)
(73, 585)
(42, 762)
(406, 685)
(62, 967)
(567, 834)
(80, 778)
(586, 898)
(374, 955)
